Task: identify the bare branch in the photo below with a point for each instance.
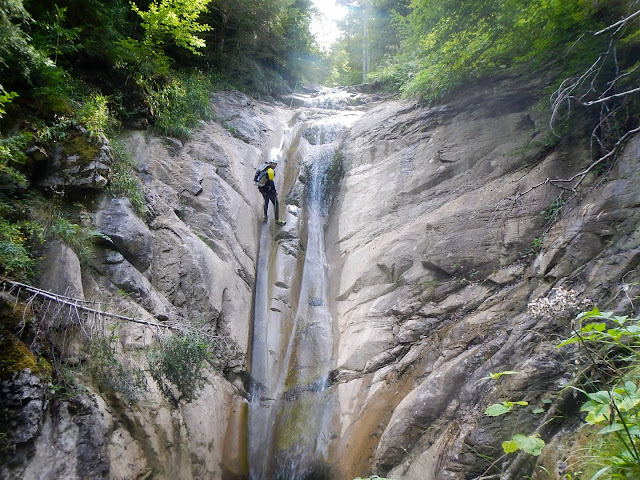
(580, 176)
(620, 23)
(75, 303)
(617, 95)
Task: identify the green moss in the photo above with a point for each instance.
(15, 356)
(14, 316)
(82, 146)
(294, 429)
(45, 368)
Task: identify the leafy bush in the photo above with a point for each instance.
(123, 179)
(176, 21)
(178, 361)
(12, 158)
(5, 99)
(17, 233)
(448, 43)
(181, 103)
(18, 57)
(109, 374)
(612, 344)
(93, 115)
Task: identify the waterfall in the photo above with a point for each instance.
(291, 419)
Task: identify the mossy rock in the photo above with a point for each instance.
(14, 316)
(15, 356)
(82, 146)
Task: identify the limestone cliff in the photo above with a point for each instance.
(430, 258)
(431, 272)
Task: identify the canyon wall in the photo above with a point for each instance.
(432, 257)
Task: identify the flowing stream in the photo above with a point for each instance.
(291, 416)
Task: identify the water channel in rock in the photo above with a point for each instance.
(292, 414)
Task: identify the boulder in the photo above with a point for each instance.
(79, 163)
(129, 235)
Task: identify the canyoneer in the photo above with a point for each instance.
(264, 179)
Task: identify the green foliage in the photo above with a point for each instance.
(17, 234)
(176, 20)
(610, 341)
(5, 99)
(79, 238)
(145, 65)
(501, 408)
(178, 361)
(181, 103)
(18, 56)
(123, 179)
(93, 115)
(53, 38)
(622, 334)
(438, 45)
(371, 32)
(497, 375)
(535, 248)
(108, 372)
(12, 158)
(532, 445)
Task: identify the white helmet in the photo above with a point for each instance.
(273, 160)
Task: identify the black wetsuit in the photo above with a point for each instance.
(269, 193)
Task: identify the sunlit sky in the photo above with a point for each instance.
(324, 28)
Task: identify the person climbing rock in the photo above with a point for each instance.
(267, 188)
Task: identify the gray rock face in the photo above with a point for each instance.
(61, 271)
(428, 252)
(430, 274)
(129, 234)
(78, 164)
(192, 259)
(65, 439)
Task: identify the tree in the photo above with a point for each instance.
(175, 20)
(370, 33)
(18, 57)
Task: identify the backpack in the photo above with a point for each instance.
(261, 177)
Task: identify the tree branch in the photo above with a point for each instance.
(617, 95)
(78, 304)
(620, 23)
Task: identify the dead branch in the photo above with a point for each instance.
(75, 303)
(581, 90)
(621, 23)
(617, 95)
(580, 176)
(75, 306)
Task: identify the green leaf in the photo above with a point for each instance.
(599, 473)
(569, 341)
(537, 411)
(614, 427)
(620, 320)
(533, 445)
(593, 313)
(598, 413)
(509, 446)
(598, 327)
(497, 375)
(600, 397)
(498, 409)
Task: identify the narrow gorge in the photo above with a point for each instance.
(361, 337)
